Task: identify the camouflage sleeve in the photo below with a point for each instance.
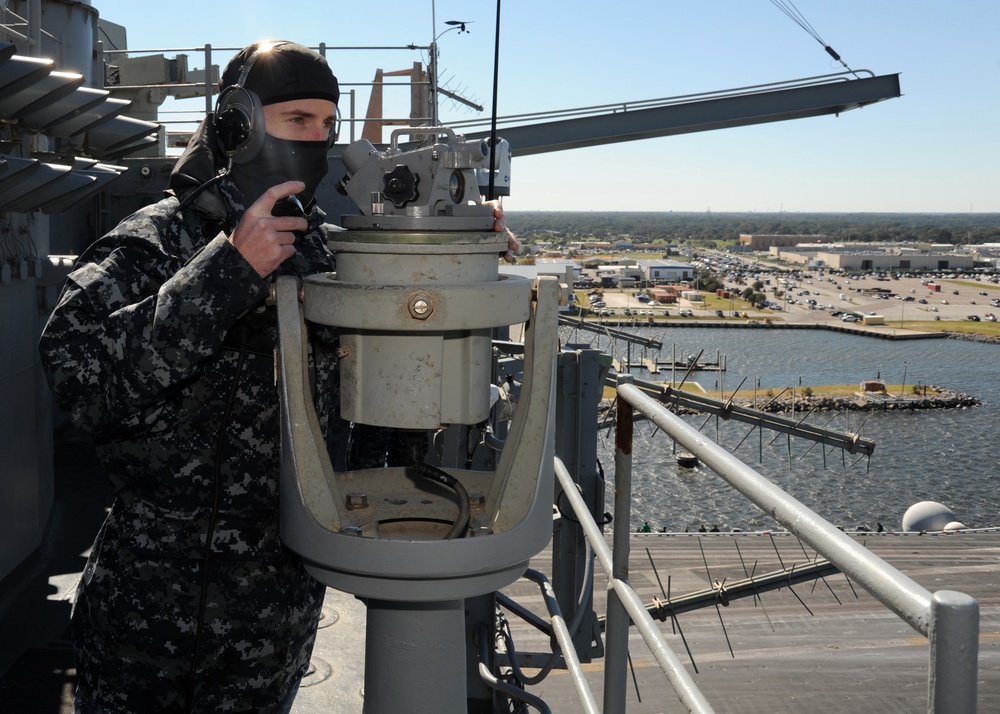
(131, 327)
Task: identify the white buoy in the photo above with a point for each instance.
(927, 516)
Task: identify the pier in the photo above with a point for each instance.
(655, 366)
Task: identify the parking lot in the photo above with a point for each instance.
(902, 300)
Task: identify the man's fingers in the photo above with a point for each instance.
(265, 204)
(289, 224)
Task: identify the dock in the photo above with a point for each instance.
(654, 366)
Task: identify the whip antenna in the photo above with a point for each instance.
(493, 117)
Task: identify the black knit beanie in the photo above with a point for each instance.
(282, 72)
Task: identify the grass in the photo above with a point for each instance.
(824, 390)
(965, 327)
(815, 390)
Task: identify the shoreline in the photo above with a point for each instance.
(884, 332)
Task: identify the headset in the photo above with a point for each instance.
(239, 115)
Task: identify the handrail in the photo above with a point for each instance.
(682, 682)
(565, 641)
(503, 120)
(207, 52)
(949, 619)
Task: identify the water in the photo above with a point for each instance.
(949, 455)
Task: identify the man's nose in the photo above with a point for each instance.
(319, 132)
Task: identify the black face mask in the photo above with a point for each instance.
(283, 160)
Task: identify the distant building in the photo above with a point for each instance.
(665, 271)
(763, 241)
(621, 276)
(666, 295)
(557, 266)
(566, 270)
(888, 257)
(591, 245)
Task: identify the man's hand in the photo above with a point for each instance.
(264, 240)
(500, 227)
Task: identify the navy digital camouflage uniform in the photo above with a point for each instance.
(161, 347)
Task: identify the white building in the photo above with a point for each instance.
(565, 270)
(665, 271)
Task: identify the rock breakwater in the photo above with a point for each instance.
(935, 398)
(930, 397)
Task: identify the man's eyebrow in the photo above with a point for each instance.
(306, 114)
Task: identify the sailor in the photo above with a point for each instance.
(161, 348)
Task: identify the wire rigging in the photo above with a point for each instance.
(788, 7)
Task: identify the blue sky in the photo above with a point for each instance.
(935, 149)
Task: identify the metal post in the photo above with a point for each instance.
(954, 652)
(415, 657)
(578, 396)
(616, 664)
(34, 30)
(432, 60)
(209, 94)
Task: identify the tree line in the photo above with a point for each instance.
(718, 229)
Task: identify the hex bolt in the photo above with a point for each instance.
(477, 500)
(356, 500)
(351, 531)
(420, 305)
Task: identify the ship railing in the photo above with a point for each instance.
(949, 620)
(624, 603)
(194, 99)
(188, 115)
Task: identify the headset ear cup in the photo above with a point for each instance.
(239, 124)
